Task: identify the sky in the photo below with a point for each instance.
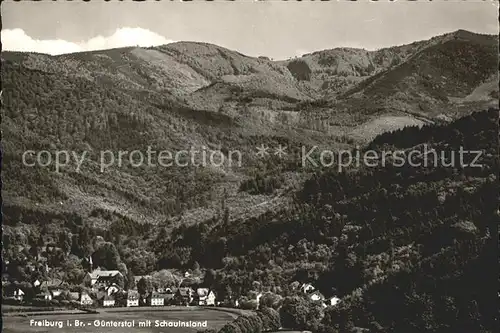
(276, 29)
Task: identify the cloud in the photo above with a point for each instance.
(18, 40)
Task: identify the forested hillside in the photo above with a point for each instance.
(406, 247)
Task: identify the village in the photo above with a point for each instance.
(103, 288)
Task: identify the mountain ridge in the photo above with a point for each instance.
(190, 93)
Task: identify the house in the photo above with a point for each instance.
(108, 300)
(184, 296)
(204, 297)
(45, 295)
(82, 298)
(155, 299)
(101, 278)
(307, 288)
(332, 301)
(85, 299)
(169, 290)
(51, 284)
(36, 283)
(132, 299)
(56, 292)
(316, 296)
(18, 294)
(258, 297)
(112, 289)
(187, 274)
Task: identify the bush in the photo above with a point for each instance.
(301, 314)
(270, 300)
(300, 70)
(230, 328)
(270, 319)
(244, 324)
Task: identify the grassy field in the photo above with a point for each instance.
(214, 319)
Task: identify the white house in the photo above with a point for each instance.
(156, 299)
(18, 294)
(317, 296)
(85, 299)
(56, 292)
(307, 288)
(204, 296)
(257, 298)
(108, 301)
(132, 299)
(101, 278)
(112, 289)
(46, 295)
(332, 301)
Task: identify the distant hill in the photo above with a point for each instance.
(197, 94)
(429, 81)
(446, 68)
(386, 239)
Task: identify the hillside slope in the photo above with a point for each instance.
(390, 239)
(196, 94)
(430, 81)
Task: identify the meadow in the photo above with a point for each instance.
(215, 319)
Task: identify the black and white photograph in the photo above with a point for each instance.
(250, 166)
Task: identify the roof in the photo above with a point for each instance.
(51, 283)
(132, 295)
(113, 285)
(202, 292)
(83, 294)
(333, 300)
(137, 278)
(155, 294)
(306, 285)
(316, 292)
(104, 274)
